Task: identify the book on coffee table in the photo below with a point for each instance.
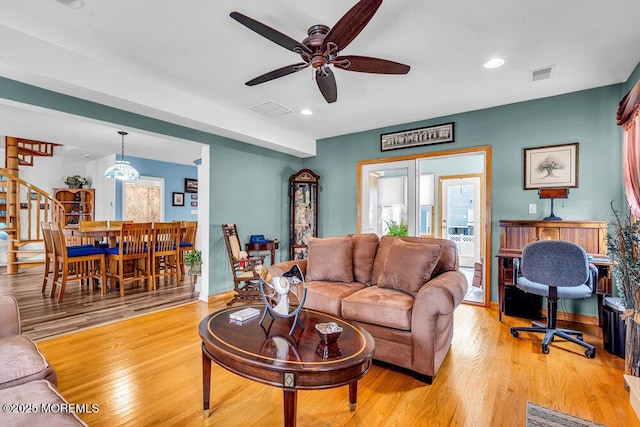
(244, 314)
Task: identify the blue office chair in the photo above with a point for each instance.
(555, 269)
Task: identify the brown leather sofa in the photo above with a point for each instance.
(403, 290)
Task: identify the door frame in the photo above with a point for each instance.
(484, 149)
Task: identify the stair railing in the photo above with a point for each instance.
(23, 207)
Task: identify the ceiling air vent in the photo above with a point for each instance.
(541, 73)
(270, 109)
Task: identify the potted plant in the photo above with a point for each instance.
(76, 181)
(193, 259)
(622, 243)
(395, 229)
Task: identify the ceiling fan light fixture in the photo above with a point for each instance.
(122, 169)
(493, 63)
(75, 4)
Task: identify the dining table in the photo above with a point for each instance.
(110, 233)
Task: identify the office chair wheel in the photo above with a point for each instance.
(591, 354)
(515, 333)
(545, 348)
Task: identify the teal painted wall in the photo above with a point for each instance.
(587, 117)
(248, 184)
(250, 189)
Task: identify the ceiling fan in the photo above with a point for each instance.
(322, 47)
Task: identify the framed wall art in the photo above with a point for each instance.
(178, 199)
(415, 137)
(190, 185)
(551, 166)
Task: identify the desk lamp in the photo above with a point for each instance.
(553, 193)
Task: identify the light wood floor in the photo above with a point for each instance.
(146, 371)
(44, 317)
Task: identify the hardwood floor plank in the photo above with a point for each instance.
(83, 306)
(146, 371)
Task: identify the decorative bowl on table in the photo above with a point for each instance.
(328, 332)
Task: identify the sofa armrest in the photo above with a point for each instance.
(277, 270)
(9, 316)
(440, 295)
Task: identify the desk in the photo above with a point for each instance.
(109, 233)
(505, 277)
(257, 247)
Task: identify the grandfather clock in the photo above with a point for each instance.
(304, 210)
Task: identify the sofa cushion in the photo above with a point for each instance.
(379, 306)
(330, 259)
(326, 296)
(364, 252)
(37, 395)
(448, 260)
(21, 362)
(409, 266)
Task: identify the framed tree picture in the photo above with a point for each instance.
(551, 166)
(178, 199)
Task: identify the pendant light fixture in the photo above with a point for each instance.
(122, 170)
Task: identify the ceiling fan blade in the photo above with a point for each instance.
(280, 72)
(365, 64)
(327, 84)
(351, 24)
(269, 33)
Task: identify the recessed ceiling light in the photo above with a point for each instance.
(493, 63)
(76, 4)
(306, 112)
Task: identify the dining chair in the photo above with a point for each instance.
(133, 248)
(49, 255)
(165, 251)
(188, 233)
(75, 263)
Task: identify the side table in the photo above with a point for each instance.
(271, 246)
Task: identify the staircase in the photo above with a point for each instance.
(23, 206)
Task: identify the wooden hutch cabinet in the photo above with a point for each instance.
(304, 210)
(591, 235)
(79, 204)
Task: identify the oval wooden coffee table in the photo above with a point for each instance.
(269, 355)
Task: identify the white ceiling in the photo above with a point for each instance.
(186, 62)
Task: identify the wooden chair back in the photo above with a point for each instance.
(189, 232)
(134, 238)
(49, 256)
(166, 250)
(231, 239)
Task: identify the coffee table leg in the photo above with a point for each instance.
(353, 395)
(290, 407)
(206, 382)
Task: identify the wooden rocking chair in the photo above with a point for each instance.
(246, 272)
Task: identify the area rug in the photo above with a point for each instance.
(539, 416)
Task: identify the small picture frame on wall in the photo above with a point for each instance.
(194, 197)
(178, 199)
(33, 196)
(194, 204)
(551, 166)
(190, 185)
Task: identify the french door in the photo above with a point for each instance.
(388, 197)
